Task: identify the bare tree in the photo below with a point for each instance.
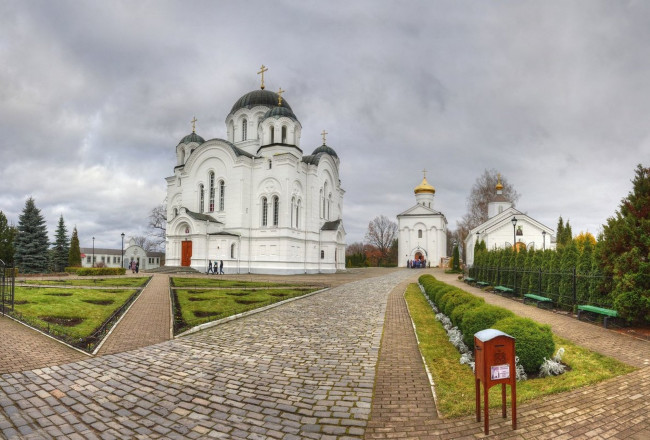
(355, 248)
(381, 234)
(145, 243)
(483, 191)
(158, 226)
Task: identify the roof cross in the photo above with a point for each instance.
(193, 121)
(424, 171)
(324, 134)
(280, 92)
(262, 70)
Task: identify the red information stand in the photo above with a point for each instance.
(494, 354)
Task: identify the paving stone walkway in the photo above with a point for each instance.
(147, 322)
(303, 370)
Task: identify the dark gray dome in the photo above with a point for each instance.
(325, 149)
(258, 97)
(192, 137)
(278, 112)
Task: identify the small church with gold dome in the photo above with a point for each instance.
(422, 229)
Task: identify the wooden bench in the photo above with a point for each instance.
(607, 313)
(482, 284)
(504, 289)
(539, 300)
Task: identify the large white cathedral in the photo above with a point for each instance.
(254, 200)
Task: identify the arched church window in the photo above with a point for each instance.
(270, 164)
(244, 129)
(298, 205)
(232, 250)
(272, 135)
(293, 211)
(175, 212)
(419, 233)
(222, 195)
(284, 134)
(211, 178)
(265, 212)
(322, 254)
(321, 203)
(276, 210)
(329, 207)
(231, 132)
(324, 200)
(201, 197)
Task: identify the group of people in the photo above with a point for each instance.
(134, 266)
(217, 269)
(416, 264)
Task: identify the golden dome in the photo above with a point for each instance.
(424, 187)
(499, 186)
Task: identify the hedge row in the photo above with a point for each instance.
(533, 341)
(96, 271)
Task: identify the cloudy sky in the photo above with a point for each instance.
(94, 97)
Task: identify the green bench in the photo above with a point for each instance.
(503, 289)
(607, 313)
(469, 280)
(539, 300)
(482, 284)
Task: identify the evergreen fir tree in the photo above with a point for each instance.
(568, 235)
(535, 258)
(626, 251)
(7, 234)
(547, 269)
(567, 266)
(583, 270)
(61, 249)
(31, 243)
(559, 237)
(522, 271)
(456, 256)
(74, 254)
(554, 269)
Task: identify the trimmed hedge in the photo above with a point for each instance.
(95, 271)
(533, 341)
(481, 318)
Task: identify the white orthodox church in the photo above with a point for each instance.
(506, 225)
(255, 200)
(422, 230)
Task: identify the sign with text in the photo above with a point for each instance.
(499, 372)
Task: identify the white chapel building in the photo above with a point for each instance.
(422, 229)
(506, 225)
(255, 200)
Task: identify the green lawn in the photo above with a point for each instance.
(91, 282)
(217, 283)
(454, 383)
(199, 306)
(72, 314)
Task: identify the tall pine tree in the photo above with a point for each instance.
(626, 250)
(7, 234)
(74, 255)
(61, 249)
(31, 243)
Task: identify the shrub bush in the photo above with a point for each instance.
(481, 318)
(453, 299)
(96, 271)
(459, 312)
(533, 341)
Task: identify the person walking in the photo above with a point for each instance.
(221, 267)
(209, 267)
(137, 267)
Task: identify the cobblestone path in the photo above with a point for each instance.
(303, 370)
(147, 322)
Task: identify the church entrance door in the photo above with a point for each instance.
(186, 253)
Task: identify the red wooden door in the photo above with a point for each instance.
(186, 253)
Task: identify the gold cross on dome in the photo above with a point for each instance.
(262, 70)
(193, 121)
(324, 133)
(424, 171)
(280, 92)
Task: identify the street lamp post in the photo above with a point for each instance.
(544, 239)
(122, 260)
(514, 233)
(93, 265)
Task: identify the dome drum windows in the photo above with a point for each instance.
(201, 198)
(244, 129)
(212, 191)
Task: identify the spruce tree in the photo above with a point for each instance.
(61, 249)
(31, 243)
(559, 233)
(626, 251)
(74, 254)
(7, 234)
